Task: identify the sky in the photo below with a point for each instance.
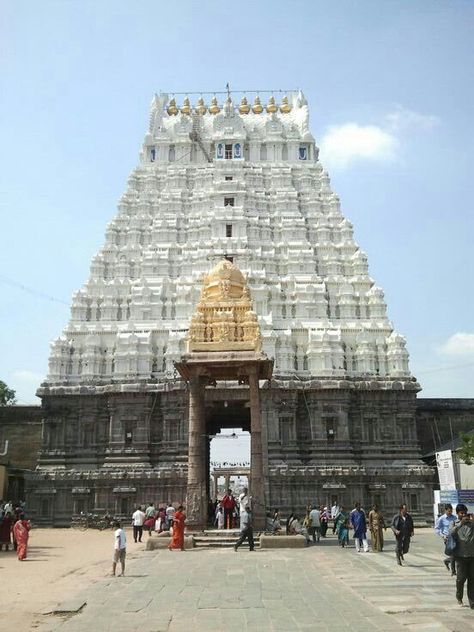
(390, 89)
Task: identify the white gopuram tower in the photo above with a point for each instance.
(242, 182)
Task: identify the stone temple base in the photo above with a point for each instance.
(322, 440)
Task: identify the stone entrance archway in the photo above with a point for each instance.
(223, 344)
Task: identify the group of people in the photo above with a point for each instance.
(457, 532)
(164, 519)
(229, 511)
(151, 519)
(361, 524)
(14, 528)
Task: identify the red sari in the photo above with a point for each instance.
(177, 541)
(21, 532)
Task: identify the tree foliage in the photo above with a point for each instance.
(7, 395)
(466, 449)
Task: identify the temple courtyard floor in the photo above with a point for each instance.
(65, 585)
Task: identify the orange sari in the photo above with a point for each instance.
(21, 533)
(177, 541)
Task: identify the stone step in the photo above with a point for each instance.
(220, 539)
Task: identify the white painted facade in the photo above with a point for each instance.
(248, 186)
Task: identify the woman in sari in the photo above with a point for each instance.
(342, 527)
(177, 541)
(5, 531)
(21, 532)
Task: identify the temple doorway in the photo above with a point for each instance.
(228, 466)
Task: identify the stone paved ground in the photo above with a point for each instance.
(320, 588)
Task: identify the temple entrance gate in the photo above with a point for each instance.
(223, 344)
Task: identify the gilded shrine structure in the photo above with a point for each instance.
(224, 344)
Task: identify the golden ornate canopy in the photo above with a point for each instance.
(224, 319)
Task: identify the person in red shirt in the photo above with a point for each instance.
(228, 504)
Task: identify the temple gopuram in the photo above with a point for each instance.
(229, 293)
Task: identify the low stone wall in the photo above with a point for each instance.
(282, 541)
(161, 542)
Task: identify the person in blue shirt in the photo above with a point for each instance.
(442, 528)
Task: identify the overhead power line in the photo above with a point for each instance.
(30, 290)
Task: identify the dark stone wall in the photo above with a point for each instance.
(21, 425)
(110, 451)
(439, 421)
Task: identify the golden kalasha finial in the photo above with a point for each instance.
(244, 107)
(186, 107)
(272, 106)
(200, 107)
(172, 109)
(257, 106)
(285, 107)
(214, 108)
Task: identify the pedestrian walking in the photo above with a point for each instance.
(6, 525)
(324, 519)
(442, 528)
(314, 526)
(244, 501)
(120, 548)
(246, 530)
(463, 532)
(341, 524)
(21, 534)
(359, 524)
(170, 511)
(376, 528)
(179, 519)
(402, 526)
(228, 504)
(138, 518)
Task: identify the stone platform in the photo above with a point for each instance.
(321, 587)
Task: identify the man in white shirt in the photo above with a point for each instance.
(170, 511)
(120, 548)
(138, 518)
(244, 501)
(314, 528)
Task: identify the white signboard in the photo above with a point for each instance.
(444, 461)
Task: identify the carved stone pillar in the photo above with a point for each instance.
(196, 499)
(257, 488)
(215, 488)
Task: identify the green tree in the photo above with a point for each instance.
(466, 449)
(7, 395)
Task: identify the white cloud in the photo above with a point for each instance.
(459, 344)
(403, 120)
(343, 144)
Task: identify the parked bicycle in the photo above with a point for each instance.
(85, 521)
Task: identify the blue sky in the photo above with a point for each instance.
(390, 87)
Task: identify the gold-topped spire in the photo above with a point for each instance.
(200, 107)
(214, 108)
(224, 319)
(257, 106)
(244, 107)
(172, 109)
(285, 107)
(186, 107)
(272, 106)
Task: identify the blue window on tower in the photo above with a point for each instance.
(303, 153)
(153, 154)
(220, 151)
(237, 150)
